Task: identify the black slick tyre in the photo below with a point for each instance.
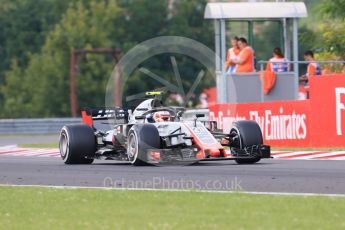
(77, 144)
(249, 134)
(141, 138)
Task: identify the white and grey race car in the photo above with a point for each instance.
(153, 134)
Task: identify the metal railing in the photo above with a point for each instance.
(35, 126)
(262, 63)
(54, 125)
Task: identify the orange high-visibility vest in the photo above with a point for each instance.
(247, 55)
(313, 69)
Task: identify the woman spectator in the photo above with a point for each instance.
(278, 63)
(232, 55)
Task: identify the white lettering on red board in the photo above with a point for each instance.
(224, 121)
(282, 126)
(339, 106)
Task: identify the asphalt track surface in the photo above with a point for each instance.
(269, 175)
(27, 139)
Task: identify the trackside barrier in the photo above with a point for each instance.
(317, 122)
(35, 126)
(54, 125)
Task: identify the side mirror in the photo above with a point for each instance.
(198, 115)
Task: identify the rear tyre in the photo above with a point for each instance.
(249, 133)
(141, 138)
(77, 144)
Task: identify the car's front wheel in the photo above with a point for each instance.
(77, 144)
(247, 133)
(141, 138)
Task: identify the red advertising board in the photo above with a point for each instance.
(327, 103)
(282, 123)
(317, 122)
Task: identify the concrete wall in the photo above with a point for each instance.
(247, 87)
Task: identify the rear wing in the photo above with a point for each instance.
(116, 115)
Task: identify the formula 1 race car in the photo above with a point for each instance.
(152, 134)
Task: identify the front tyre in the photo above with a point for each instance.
(248, 134)
(141, 138)
(77, 144)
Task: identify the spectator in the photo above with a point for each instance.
(313, 67)
(312, 70)
(245, 62)
(175, 99)
(277, 63)
(232, 55)
(203, 104)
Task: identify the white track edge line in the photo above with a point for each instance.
(177, 190)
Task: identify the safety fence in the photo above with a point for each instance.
(35, 126)
(295, 64)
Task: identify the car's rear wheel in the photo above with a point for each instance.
(77, 144)
(248, 133)
(141, 138)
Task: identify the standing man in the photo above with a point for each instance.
(312, 70)
(245, 62)
(232, 55)
(313, 67)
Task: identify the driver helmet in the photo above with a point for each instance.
(161, 116)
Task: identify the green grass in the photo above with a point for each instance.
(46, 208)
(40, 145)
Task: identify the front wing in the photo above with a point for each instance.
(187, 156)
